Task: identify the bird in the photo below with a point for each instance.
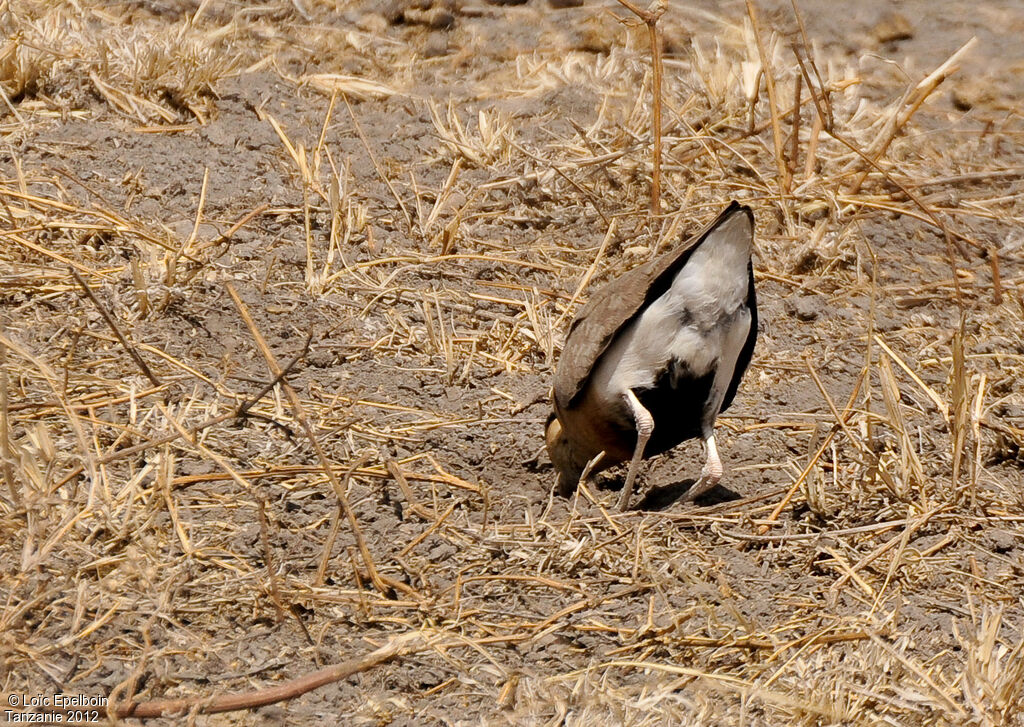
(655, 356)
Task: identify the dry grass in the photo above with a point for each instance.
(147, 70)
(170, 526)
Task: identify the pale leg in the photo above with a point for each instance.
(644, 426)
(710, 475)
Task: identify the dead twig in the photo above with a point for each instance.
(115, 328)
(402, 645)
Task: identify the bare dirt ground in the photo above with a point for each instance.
(408, 202)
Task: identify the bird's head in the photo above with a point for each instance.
(567, 459)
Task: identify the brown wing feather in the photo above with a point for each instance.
(612, 306)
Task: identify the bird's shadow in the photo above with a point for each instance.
(663, 497)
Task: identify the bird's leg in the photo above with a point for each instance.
(644, 426)
(710, 475)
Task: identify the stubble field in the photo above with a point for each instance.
(282, 289)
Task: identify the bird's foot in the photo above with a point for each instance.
(710, 476)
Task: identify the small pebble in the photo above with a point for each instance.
(891, 27)
(436, 45)
(805, 307)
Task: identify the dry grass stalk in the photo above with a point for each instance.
(376, 164)
(841, 422)
(5, 433)
(899, 115)
(959, 411)
(769, 79)
(993, 681)
(349, 86)
(116, 329)
(382, 583)
(911, 473)
(650, 19)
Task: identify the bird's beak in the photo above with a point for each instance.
(553, 432)
(558, 451)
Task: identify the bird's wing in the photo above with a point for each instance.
(613, 305)
(595, 326)
(747, 352)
